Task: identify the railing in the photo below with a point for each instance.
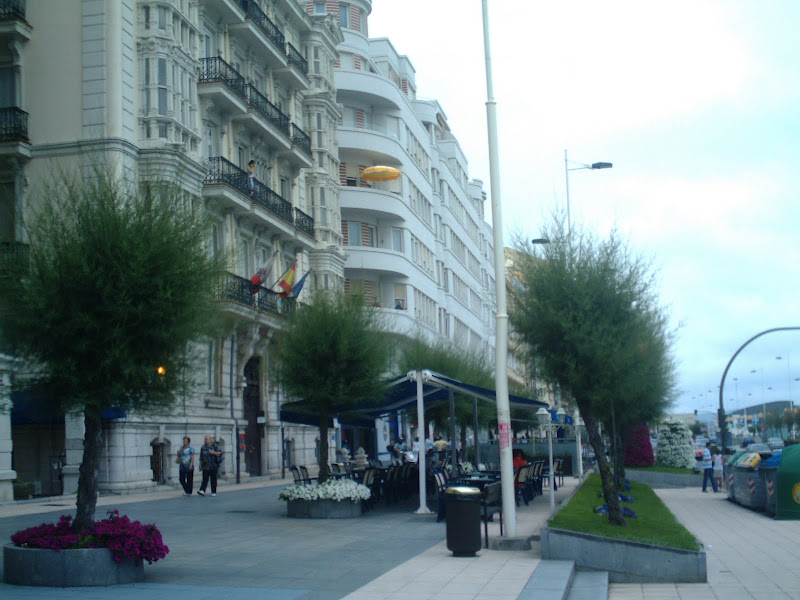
(301, 139)
(273, 202)
(14, 256)
(303, 222)
(268, 109)
(12, 9)
(296, 59)
(224, 171)
(13, 124)
(214, 69)
(257, 16)
(243, 291)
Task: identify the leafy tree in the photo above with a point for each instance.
(331, 355)
(588, 311)
(775, 420)
(639, 450)
(117, 282)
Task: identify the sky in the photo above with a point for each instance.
(696, 104)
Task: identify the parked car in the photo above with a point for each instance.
(775, 443)
(762, 449)
(698, 450)
(746, 443)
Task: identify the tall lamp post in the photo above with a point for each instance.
(501, 328)
(577, 422)
(567, 169)
(789, 382)
(546, 420)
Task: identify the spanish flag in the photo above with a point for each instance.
(287, 282)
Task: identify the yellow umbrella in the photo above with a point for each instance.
(380, 173)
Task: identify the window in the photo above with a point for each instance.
(323, 211)
(354, 233)
(319, 8)
(147, 17)
(210, 371)
(162, 86)
(316, 60)
(213, 242)
(162, 17)
(397, 239)
(147, 105)
(209, 142)
(343, 14)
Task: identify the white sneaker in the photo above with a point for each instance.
(201, 492)
(186, 494)
(213, 493)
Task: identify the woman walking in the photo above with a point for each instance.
(186, 468)
(209, 463)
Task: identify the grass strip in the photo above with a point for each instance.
(654, 524)
(663, 469)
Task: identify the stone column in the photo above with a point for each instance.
(7, 474)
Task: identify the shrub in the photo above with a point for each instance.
(675, 447)
(333, 489)
(639, 451)
(125, 538)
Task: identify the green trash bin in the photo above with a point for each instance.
(463, 520)
(788, 484)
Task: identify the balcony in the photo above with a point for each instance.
(13, 125)
(258, 31)
(300, 152)
(295, 74)
(12, 9)
(242, 292)
(223, 84)
(266, 121)
(12, 20)
(303, 222)
(301, 139)
(14, 256)
(223, 11)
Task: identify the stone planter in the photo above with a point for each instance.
(323, 509)
(68, 568)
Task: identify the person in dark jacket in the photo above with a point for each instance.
(209, 463)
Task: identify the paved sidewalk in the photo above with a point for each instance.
(749, 555)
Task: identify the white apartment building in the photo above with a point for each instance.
(191, 90)
(418, 247)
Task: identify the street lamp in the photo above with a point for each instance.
(546, 420)
(567, 169)
(576, 421)
(789, 381)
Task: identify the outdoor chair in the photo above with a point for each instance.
(538, 477)
(520, 478)
(369, 478)
(491, 503)
(298, 478)
(304, 474)
(558, 470)
(335, 468)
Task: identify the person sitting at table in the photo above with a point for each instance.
(519, 459)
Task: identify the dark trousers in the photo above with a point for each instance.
(209, 476)
(708, 475)
(187, 480)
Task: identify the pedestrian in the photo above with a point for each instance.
(186, 468)
(719, 462)
(209, 463)
(708, 469)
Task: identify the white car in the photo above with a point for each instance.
(775, 443)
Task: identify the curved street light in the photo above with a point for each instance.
(592, 167)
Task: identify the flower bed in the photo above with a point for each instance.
(108, 552)
(334, 499)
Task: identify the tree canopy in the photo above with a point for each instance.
(117, 280)
(588, 312)
(332, 354)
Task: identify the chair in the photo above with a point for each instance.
(369, 477)
(298, 478)
(491, 503)
(335, 468)
(558, 470)
(304, 474)
(520, 480)
(538, 477)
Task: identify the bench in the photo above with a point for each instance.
(491, 503)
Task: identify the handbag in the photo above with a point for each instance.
(178, 459)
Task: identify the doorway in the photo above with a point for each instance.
(252, 410)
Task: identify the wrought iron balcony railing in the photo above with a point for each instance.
(244, 292)
(215, 69)
(303, 222)
(225, 172)
(13, 124)
(14, 257)
(301, 139)
(12, 9)
(268, 109)
(296, 59)
(259, 17)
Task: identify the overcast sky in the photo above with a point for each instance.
(697, 105)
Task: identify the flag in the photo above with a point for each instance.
(299, 285)
(287, 281)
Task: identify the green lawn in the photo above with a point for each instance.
(654, 524)
(662, 469)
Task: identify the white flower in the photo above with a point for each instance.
(333, 489)
(675, 447)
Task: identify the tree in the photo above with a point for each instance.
(588, 311)
(330, 356)
(117, 282)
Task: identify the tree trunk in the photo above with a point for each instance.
(89, 470)
(619, 461)
(610, 493)
(323, 448)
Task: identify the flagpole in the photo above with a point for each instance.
(282, 276)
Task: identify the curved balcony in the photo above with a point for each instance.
(380, 261)
(354, 87)
(372, 145)
(384, 205)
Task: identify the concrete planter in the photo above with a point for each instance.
(656, 479)
(68, 568)
(625, 561)
(323, 509)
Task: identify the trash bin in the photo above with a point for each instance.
(729, 473)
(463, 520)
(750, 490)
(787, 488)
(769, 477)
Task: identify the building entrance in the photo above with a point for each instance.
(252, 410)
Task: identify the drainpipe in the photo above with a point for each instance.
(233, 416)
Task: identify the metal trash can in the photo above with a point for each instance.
(750, 490)
(463, 520)
(769, 477)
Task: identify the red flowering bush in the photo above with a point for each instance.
(639, 451)
(125, 538)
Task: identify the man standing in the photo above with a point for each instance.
(209, 463)
(708, 468)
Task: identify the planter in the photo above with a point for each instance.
(68, 568)
(625, 561)
(323, 509)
